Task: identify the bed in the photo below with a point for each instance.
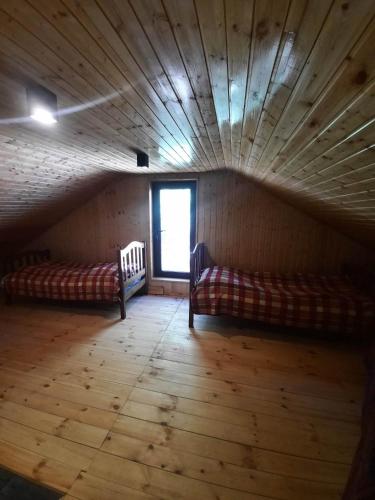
(33, 274)
(327, 303)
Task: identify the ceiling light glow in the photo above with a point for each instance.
(43, 115)
(42, 104)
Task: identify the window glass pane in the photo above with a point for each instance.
(175, 229)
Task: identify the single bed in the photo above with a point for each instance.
(327, 303)
(32, 274)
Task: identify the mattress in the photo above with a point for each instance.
(66, 281)
(317, 302)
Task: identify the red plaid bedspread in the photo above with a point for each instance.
(65, 281)
(307, 301)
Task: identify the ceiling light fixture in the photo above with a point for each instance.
(142, 159)
(42, 104)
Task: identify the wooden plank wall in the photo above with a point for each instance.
(242, 223)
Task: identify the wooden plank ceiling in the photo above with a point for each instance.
(279, 90)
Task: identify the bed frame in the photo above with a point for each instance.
(359, 275)
(133, 256)
(29, 258)
(198, 261)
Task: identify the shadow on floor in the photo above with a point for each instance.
(14, 487)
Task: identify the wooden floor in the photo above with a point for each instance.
(102, 409)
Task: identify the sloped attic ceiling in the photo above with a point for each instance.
(280, 90)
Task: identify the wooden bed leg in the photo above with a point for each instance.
(191, 317)
(122, 307)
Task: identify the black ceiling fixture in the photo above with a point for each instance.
(142, 159)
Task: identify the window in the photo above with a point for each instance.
(173, 227)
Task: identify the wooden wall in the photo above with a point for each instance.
(242, 224)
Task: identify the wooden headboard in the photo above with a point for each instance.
(197, 263)
(15, 262)
(132, 271)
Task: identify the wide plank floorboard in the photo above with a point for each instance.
(96, 408)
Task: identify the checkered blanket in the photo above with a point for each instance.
(309, 301)
(65, 281)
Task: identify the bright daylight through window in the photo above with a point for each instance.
(175, 229)
(173, 216)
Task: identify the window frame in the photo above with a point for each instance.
(156, 187)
